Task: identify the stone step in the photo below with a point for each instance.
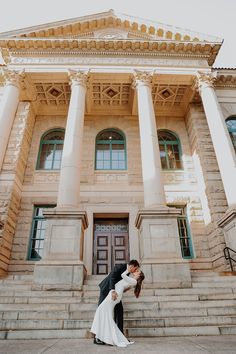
(232, 284)
(136, 304)
(167, 292)
(160, 313)
(45, 334)
(42, 300)
(214, 279)
(19, 277)
(228, 330)
(38, 293)
(130, 332)
(12, 286)
(81, 313)
(173, 331)
(128, 323)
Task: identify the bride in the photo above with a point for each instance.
(104, 326)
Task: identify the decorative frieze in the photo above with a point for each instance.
(35, 58)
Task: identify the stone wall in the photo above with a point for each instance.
(210, 185)
(11, 179)
(112, 189)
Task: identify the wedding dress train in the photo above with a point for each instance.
(104, 326)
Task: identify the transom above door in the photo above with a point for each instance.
(111, 244)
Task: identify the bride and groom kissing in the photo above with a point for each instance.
(108, 320)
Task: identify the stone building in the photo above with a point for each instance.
(117, 141)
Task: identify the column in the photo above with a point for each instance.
(62, 265)
(8, 106)
(69, 186)
(225, 153)
(154, 194)
(160, 251)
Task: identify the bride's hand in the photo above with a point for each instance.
(114, 295)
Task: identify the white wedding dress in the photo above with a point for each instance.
(104, 326)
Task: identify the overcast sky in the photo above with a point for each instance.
(214, 17)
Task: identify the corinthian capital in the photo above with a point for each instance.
(12, 77)
(78, 77)
(142, 78)
(204, 80)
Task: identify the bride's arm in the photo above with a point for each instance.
(129, 280)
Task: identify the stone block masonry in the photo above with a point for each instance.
(11, 179)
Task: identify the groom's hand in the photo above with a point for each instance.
(114, 295)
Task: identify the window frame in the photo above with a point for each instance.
(184, 216)
(48, 142)
(34, 219)
(110, 143)
(231, 130)
(174, 142)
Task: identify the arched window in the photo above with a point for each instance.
(110, 150)
(231, 125)
(50, 151)
(170, 150)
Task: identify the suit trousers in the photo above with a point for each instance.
(118, 311)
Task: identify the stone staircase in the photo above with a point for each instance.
(207, 308)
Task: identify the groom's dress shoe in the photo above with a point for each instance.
(98, 341)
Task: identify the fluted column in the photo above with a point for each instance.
(225, 153)
(8, 107)
(69, 185)
(151, 164)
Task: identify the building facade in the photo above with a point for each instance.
(117, 141)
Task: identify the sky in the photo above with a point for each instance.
(214, 17)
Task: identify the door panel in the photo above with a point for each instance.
(111, 245)
(102, 254)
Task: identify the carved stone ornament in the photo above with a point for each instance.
(78, 77)
(12, 77)
(143, 78)
(204, 80)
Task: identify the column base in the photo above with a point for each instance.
(160, 252)
(59, 275)
(168, 274)
(228, 224)
(61, 267)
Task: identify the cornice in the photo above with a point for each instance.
(226, 81)
(27, 47)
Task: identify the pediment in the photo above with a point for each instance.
(109, 25)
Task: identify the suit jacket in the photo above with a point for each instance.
(109, 282)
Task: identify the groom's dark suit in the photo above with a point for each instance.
(109, 284)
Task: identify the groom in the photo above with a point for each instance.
(109, 284)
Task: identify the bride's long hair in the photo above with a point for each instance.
(138, 286)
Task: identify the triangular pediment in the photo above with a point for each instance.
(109, 25)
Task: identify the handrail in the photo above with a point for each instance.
(228, 256)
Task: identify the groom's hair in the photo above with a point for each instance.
(134, 263)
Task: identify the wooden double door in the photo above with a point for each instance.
(111, 244)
